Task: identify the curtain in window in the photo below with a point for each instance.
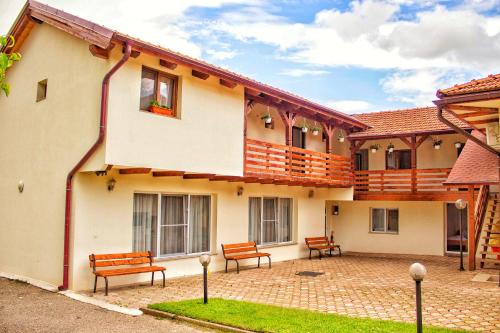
(254, 220)
(145, 222)
(199, 223)
(285, 218)
(269, 214)
(392, 220)
(378, 219)
(166, 91)
(173, 224)
(148, 82)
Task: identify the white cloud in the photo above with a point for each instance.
(299, 72)
(350, 106)
(221, 55)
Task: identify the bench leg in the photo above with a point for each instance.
(310, 252)
(258, 262)
(319, 254)
(106, 289)
(237, 267)
(163, 272)
(269, 261)
(152, 277)
(95, 283)
(226, 265)
(340, 252)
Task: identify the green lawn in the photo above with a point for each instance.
(268, 318)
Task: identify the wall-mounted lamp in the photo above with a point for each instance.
(335, 210)
(239, 191)
(111, 184)
(458, 144)
(20, 186)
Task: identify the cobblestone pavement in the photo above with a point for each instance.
(375, 286)
(24, 308)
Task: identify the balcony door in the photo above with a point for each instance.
(298, 138)
(398, 159)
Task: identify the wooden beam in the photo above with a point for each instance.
(168, 64)
(421, 140)
(288, 119)
(482, 121)
(329, 130)
(200, 75)
(98, 52)
(168, 173)
(198, 175)
(478, 114)
(227, 83)
(226, 178)
(132, 171)
(472, 108)
(405, 140)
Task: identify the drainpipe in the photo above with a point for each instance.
(85, 158)
(463, 132)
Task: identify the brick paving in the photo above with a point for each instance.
(374, 286)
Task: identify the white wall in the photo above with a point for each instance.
(103, 220)
(421, 227)
(207, 137)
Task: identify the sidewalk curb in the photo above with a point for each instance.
(101, 303)
(207, 324)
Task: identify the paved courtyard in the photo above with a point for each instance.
(374, 286)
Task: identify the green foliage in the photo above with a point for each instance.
(154, 103)
(6, 61)
(274, 319)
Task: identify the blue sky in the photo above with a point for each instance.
(355, 56)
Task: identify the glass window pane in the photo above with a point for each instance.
(391, 160)
(199, 223)
(166, 91)
(285, 214)
(254, 214)
(173, 224)
(405, 159)
(269, 232)
(147, 87)
(145, 222)
(378, 219)
(392, 220)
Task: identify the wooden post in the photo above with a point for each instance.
(413, 164)
(471, 234)
(328, 129)
(247, 109)
(288, 119)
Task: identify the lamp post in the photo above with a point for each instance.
(417, 272)
(461, 204)
(204, 261)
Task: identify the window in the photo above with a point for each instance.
(398, 159)
(361, 160)
(384, 220)
(270, 220)
(41, 90)
(160, 87)
(183, 226)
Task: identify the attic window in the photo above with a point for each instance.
(41, 90)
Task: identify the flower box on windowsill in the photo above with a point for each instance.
(161, 110)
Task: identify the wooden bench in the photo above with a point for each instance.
(123, 259)
(240, 251)
(319, 244)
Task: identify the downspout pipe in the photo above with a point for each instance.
(85, 158)
(463, 132)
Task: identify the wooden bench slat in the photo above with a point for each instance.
(122, 262)
(119, 255)
(238, 245)
(131, 270)
(242, 249)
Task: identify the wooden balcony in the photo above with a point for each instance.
(408, 184)
(291, 165)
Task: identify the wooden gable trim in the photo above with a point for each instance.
(228, 84)
(168, 64)
(132, 171)
(199, 75)
(168, 173)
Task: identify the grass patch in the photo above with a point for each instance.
(274, 319)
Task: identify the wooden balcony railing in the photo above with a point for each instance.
(269, 160)
(401, 181)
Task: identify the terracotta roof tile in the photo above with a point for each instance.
(406, 121)
(489, 83)
(475, 165)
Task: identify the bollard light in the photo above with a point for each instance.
(461, 204)
(417, 272)
(205, 261)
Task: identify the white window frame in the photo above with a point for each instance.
(186, 234)
(386, 221)
(278, 222)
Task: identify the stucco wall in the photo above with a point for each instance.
(207, 136)
(421, 227)
(40, 143)
(103, 220)
(427, 156)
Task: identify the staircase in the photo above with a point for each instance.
(490, 233)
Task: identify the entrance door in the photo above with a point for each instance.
(453, 216)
